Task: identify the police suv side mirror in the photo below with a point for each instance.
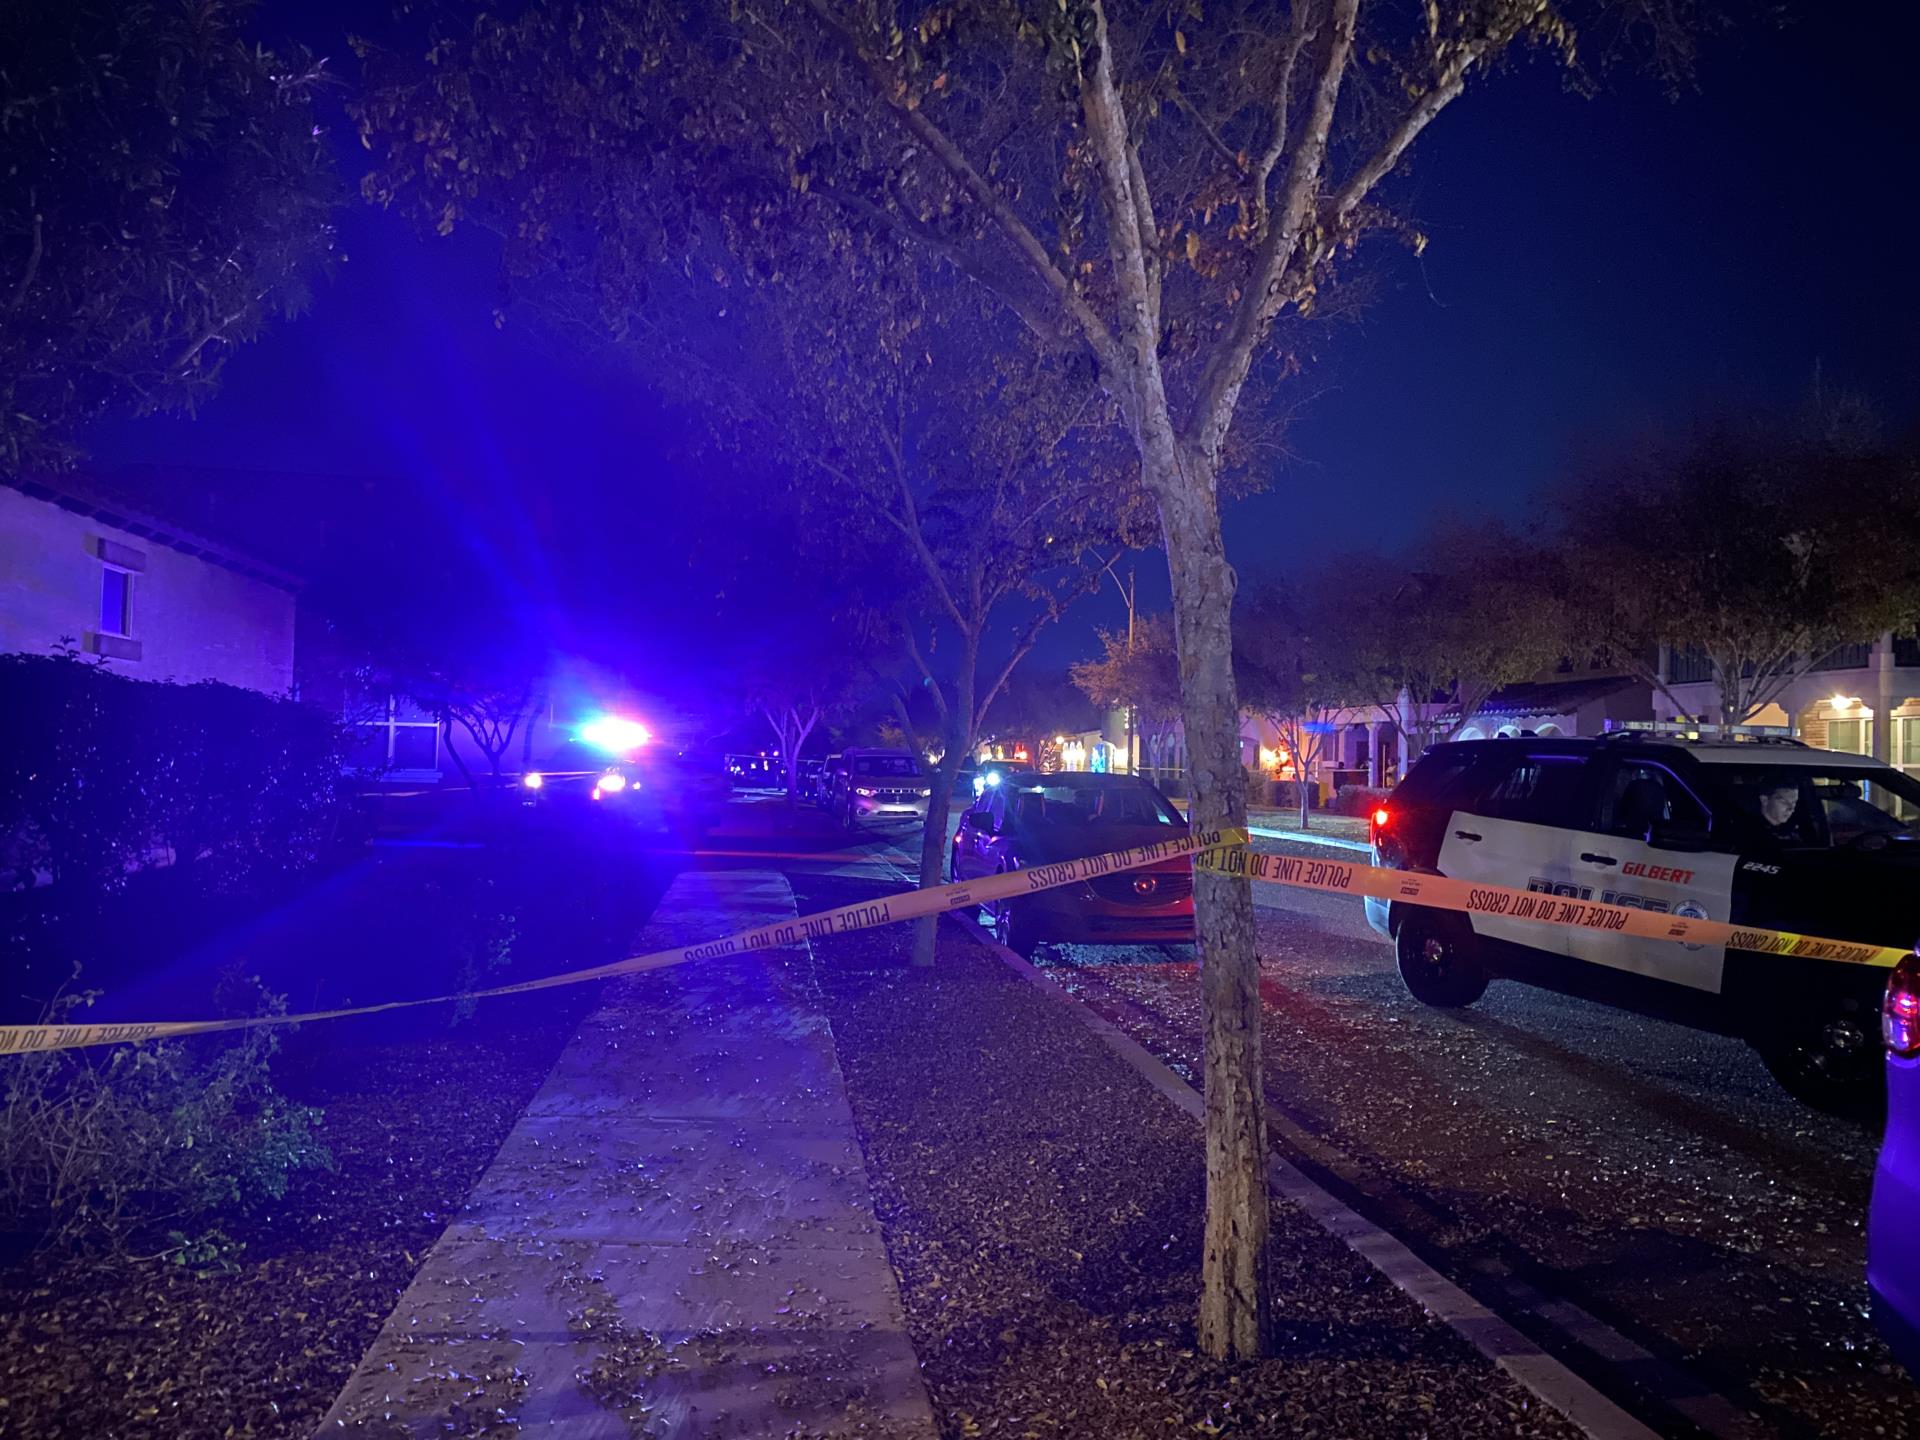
(1680, 837)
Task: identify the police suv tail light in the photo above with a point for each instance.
(1380, 819)
(1900, 1014)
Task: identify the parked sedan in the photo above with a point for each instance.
(1893, 1245)
(1049, 818)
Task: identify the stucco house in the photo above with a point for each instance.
(85, 562)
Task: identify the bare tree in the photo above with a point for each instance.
(1287, 676)
(1159, 195)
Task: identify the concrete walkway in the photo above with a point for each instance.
(677, 1238)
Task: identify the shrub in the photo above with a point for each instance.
(1285, 794)
(100, 1146)
(103, 773)
(1358, 799)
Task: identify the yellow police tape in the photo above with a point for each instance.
(867, 915)
(1222, 851)
(1439, 892)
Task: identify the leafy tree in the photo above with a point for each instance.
(1161, 196)
(1287, 676)
(1437, 631)
(166, 193)
(797, 674)
(1142, 673)
(1758, 548)
(380, 583)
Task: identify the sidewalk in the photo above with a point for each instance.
(677, 1238)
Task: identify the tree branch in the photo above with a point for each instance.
(1303, 32)
(1016, 230)
(933, 681)
(1106, 118)
(1019, 652)
(1423, 113)
(1226, 373)
(975, 267)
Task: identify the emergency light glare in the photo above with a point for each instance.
(615, 734)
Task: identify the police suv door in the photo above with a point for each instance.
(1620, 862)
(1519, 832)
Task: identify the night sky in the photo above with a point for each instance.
(1598, 269)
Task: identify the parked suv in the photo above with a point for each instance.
(1774, 835)
(879, 785)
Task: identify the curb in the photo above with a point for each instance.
(1302, 837)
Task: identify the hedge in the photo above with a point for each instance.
(104, 775)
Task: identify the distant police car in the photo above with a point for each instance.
(1774, 835)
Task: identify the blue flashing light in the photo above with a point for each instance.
(615, 734)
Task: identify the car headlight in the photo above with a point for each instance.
(866, 790)
(533, 780)
(613, 782)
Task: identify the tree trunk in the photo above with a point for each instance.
(446, 730)
(1235, 1301)
(933, 838)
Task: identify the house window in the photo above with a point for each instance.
(1906, 743)
(116, 602)
(392, 736)
(1853, 736)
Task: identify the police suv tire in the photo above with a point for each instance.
(1436, 955)
(1831, 1061)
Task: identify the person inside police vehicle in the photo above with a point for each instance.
(1782, 816)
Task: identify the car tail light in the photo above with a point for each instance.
(1900, 1014)
(1381, 817)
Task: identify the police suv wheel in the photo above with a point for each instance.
(1832, 1062)
(1437, 960)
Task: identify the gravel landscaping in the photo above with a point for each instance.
(1042, 1207)
(1655, 1174)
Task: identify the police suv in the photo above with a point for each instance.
(1771, 834)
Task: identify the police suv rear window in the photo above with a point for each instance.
(1438, 778)
(1536, 790)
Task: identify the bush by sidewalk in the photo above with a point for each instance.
(103, 775)
(156, 1143)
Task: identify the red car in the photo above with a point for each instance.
(1041, 819)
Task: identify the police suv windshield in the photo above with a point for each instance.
(1811, 807)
